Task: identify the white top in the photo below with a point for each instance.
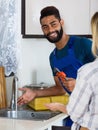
(14, 124)
(83, 103)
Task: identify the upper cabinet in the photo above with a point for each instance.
(93, 6)
(93, 9)
(76, 15)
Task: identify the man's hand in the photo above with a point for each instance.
(69, 83)
(27, 96)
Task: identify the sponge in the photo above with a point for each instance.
(39, 102)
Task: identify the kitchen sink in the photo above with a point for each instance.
(27, 114)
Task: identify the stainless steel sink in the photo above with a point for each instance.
(27, 114)
(23, 112)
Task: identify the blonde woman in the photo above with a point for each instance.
(83, 103)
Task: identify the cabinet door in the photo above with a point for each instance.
(76, 16)
(93, 9)
(74, 12)
(93, 6)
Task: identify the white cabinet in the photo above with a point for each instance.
(93, 6)
(76, 14)
(93, 9)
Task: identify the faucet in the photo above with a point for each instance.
(13, 103)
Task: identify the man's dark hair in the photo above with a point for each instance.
(50, 10)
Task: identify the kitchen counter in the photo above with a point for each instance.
(14, 124)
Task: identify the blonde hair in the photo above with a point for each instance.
(94, 28)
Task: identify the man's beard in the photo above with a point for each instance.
(56, 39)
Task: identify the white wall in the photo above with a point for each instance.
(35, 62)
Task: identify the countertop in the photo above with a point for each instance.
(14, 124)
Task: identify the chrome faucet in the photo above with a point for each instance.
(13, 103)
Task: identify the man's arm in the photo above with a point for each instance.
(29, 94)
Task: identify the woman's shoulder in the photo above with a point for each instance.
(88, 68)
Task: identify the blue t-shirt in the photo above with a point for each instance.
(81, 48)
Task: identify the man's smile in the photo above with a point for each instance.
(52, 35)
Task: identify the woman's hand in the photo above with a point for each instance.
(56, 107)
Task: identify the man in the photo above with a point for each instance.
(83, 104)
(69, 55)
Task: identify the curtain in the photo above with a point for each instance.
(9, 36)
